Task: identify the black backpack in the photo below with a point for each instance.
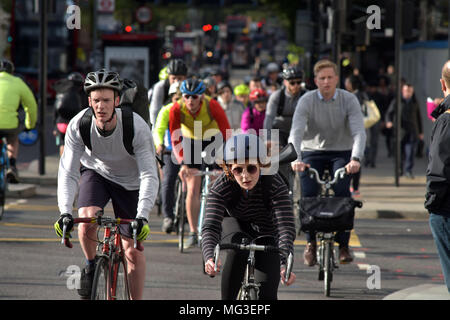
(133, 98)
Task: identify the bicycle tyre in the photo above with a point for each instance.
(328, 272)
(101, 284)
(119, 280)
(181, 214)
(3, 186)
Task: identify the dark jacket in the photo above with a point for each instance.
(411, 120)
(438, 171)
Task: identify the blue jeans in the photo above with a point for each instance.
(320, 160)
(408, 143)
(440, 228)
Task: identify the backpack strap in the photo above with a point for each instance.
(85, 127)
(128, 128)
(281, 101)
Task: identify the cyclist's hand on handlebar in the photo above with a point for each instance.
(292, 277)
(352, 167)
(59, 225)
(299, 166)
(142, 229)
(210, 266)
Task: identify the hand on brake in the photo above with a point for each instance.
(59, 225)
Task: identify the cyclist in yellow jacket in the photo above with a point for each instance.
(13, 92)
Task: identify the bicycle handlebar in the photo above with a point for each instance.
(338, 174)
(254, 247)
(102, 221)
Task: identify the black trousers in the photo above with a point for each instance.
(267, 265)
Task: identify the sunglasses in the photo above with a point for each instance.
(251, 169)
(193, 96)
(295, 83)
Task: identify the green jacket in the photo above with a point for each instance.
(13, 92)
(161, 124)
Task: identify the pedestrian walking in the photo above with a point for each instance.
(438, 177)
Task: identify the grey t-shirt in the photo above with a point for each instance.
(333, 125)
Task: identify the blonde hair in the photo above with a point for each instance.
(446, 73)
(324, 63)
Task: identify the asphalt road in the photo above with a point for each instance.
(34, 264)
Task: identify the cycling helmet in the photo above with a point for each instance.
(192, 86)
(6, 65)
(258, 95)
(102, 79)
(177, 67)
(209, 81)
(163, 74)
(75, 77)
(241, 89)
(243, 147)
(272, 67)
(292, 73)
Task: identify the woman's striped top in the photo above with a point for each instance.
(278, 222)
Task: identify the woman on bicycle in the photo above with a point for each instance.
(243, 203)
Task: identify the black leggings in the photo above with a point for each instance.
(267, 265)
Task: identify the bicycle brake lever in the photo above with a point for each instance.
(287, 274)
(134, 226)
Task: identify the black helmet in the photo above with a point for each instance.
(177, 67)
(75, 77)
(6, 65)
(292, 73)
(102, 79)
(192, 86)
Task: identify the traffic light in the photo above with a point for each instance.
(207, 27)
(128, 29)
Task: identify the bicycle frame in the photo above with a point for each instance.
(111, 247)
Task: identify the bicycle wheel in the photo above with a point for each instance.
(180, 213)
(327, 269)
(119, 280)
(101, 284)
(3, 186)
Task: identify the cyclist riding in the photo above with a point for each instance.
(13, 93)
(327, 132)
(177, 72)
(280, 110)
(195, 122)
(161, 136)
(108, 172)
(244, 203)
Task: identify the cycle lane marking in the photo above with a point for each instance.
(354, 241)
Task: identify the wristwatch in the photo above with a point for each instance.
(356, 159)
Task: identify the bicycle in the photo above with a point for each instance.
(4, 166)
(250, 288)
(325, 251)
(110, 277)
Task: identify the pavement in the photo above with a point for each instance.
(380, 196)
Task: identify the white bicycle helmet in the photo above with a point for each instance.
(102, 79)
(244, 146)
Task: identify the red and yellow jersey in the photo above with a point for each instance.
(209, 120)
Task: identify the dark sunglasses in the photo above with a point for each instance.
(193, 96)
(295, 83)
(251, 169)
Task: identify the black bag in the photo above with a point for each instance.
(327, 214)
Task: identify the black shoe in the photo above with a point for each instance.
(12, 175)
(86, 279)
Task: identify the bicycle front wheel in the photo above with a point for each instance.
(328, 272)
(119, 280)
(101, 284)
(181, 214)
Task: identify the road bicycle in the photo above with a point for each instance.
(249, 289)
(110, 277)
(326, 257)
(206, 180)
(4, 165)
